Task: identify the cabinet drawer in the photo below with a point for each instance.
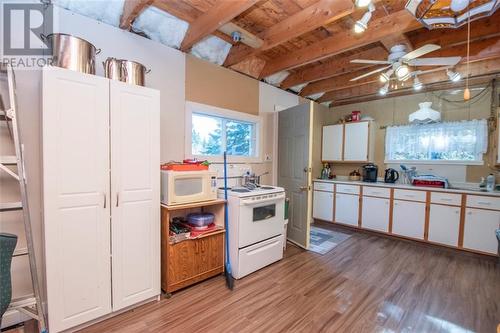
(349, 189)
(446, 198)
(327, 187)
(377, 191)
(478, 201)
(409, 195)
(259, 255)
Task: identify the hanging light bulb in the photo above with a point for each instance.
(466, 94)
(417, 85)
(453, 76)
(362, 3)
(362, 24)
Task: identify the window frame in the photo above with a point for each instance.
(213, 111)
(432, 162)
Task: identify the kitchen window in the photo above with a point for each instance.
(213, 131)
(462, 142)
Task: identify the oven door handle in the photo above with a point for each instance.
(257, 202)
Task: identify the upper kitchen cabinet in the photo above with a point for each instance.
(350, 142)
(331, 148)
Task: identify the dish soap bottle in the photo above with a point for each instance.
(325, 171)
(490, 183)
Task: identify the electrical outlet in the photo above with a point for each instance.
(268, 158)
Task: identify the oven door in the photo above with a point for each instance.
(261, 218)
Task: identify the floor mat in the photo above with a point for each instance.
(323, 240)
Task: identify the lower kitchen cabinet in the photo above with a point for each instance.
(444, 224)
(479, 230)
(323, 206)
(194, 260)
(409, 219)
(347, 208)
(375, 214)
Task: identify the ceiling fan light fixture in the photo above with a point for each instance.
(402, 72)
(385, 77)
(362, 3)
(384, 90)
(453, 76)
(417, 85)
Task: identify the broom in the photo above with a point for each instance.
(229, 277)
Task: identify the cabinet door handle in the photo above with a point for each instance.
(117, 199)
(105, 197)
(446, 199)
(457, 212)
(484, 203)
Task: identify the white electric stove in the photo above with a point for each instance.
(256, 224)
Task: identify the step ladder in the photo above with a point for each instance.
(31, 305)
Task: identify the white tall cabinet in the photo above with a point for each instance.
(101, 196)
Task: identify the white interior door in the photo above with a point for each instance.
(76, 197)
(135, 211)
(356, 141)
(294, 139)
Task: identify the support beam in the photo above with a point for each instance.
(336, 66)
(480, 68)
(319, 14)
(398, 22)
(132, 9)
(222, 12)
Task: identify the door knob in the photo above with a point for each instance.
(304, 188)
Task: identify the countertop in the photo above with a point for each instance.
(410, 187)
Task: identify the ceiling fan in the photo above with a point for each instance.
(399, 61)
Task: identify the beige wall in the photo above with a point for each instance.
(210, 84)
(395, 111)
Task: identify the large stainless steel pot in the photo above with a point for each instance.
(113, 69)
(72, 52)
(134, 72)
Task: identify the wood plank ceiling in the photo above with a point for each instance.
(314, 41)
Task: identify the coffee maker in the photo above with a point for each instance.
(370, 173)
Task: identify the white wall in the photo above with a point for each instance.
(167, 75)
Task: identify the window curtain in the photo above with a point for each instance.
(448, 141)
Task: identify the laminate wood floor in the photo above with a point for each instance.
(368, 283)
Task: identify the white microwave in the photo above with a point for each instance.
(181, 187)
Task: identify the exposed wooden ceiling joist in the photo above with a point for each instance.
(491, 66)
(479, 51)
(222, 12)
(333, 67)
(399, 22)
(132, 9)
(430, 87)
(321, 13)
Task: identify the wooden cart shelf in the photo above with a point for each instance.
(191, 260)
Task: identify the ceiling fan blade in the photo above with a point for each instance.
(420, 51)
(367, 61)
(444, 61)
(370, 73)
